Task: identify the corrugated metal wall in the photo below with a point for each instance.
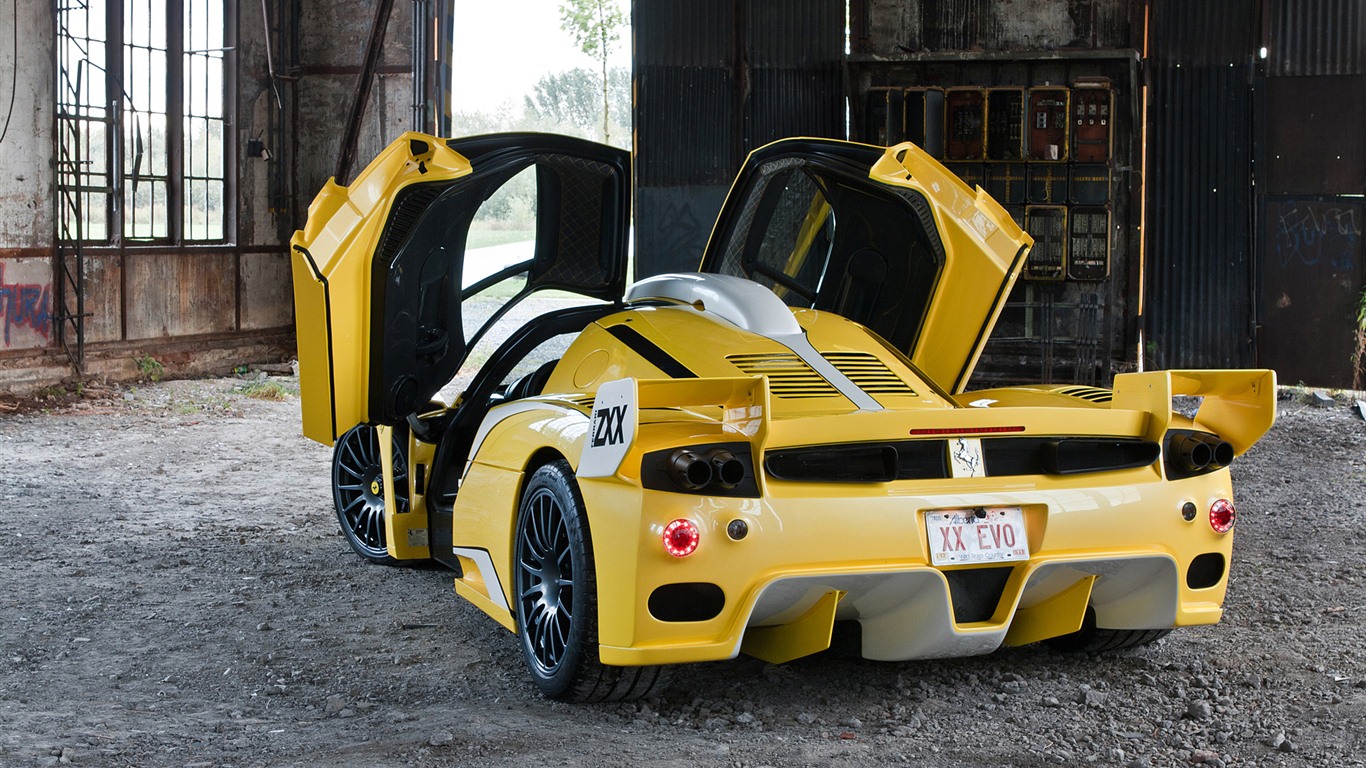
(1316, 37)
(684, 69)
(1198, 309)
(1311, 173)
(715, 79)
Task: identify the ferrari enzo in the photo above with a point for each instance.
(731, 460)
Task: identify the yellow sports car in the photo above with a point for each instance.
(731, 460)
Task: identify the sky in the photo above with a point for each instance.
(502, 47)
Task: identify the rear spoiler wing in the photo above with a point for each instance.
(1238, 405)
(743, 400)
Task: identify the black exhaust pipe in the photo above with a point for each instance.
(1221, 451)
(690, 471)
(1192, 452)
(728, 470)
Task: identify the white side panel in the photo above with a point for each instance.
(611, 430)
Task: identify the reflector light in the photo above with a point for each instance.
(966, 430)
(681, 538)
(1222, 516)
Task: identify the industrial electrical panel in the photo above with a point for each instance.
(1048, 124)
(1005, 124)
(964, 123)
(1092, 130)
(894, 115)
(1045, 153)
(1088, 243)
(1047, 224)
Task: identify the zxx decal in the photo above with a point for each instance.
(607, 426)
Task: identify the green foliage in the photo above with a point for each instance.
(512, 206)
(568, 102)
(595, 26)
(53, 392)
(150, 368)
(266, 390)
(1359, 355)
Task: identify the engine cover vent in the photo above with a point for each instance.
(1089, 394)
(869, 373)
(788, 375)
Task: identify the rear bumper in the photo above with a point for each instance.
(1124, 551)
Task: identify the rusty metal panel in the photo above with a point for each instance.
(715, 79)
(102, 276)
(1317, 37)
(892, 27)
(1198, 266)
(686, 126)
(1313, 267)
(180, 294)
(1315, 140)
(794, 34)
(959, 25)
(793, 102)
(684, 33)
(267, 300)
(794, 83)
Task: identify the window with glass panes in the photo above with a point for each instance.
(142, 116)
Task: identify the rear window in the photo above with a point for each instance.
(823, 238)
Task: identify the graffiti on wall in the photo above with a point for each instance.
(1316, 233)
(27, 311)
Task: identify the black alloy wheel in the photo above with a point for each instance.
(556, 593)
(358, 490)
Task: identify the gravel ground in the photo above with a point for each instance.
(175, 592)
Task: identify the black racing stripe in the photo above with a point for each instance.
(652, 353)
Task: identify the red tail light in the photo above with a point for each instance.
(681, 538)
(1222, 515)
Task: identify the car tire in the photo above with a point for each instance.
(1093, 639)
(556, 595)
(358, 490)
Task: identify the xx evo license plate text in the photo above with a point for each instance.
(979, 535)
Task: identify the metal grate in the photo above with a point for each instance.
(869, 373)
(788, 375)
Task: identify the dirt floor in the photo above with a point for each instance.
(175, 592)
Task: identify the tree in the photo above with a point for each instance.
(595, 26)
(567, 102)
(566, 98)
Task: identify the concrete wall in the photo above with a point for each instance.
(26, 180)
(333, 36)
(196, 309)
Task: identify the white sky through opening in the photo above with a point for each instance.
(503, 47)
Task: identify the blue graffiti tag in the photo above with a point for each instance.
(1314, 233)
(25, 305)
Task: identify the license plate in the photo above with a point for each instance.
(981, 535)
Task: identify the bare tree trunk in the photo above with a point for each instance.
(606, 137)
